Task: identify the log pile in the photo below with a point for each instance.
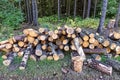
(47, 44)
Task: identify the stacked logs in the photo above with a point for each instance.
(48, 44)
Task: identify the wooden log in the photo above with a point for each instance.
(44, 47)
(66, 48)
(69, 35)
(108, 50)
(100, 66)
(43, 56)
(43, 30)
(33, 33)
(26, 31)
(58, 42)
(60, 54)
(69, 30)
(16, 48)
(106, 43)
(79, 49)
(92, 40)
(84, 36)
(33, 57)
(11, 41)
(50, 39)
(99, 38)
(96, 57)
(42, 37)
(30, 39)
(65, 41)
(25, 57)
(19, 37)
(100, 46)
(97, 50)
(115, 64)
(20, 43)
(96, 43)
(77, 62)
(54, 36)
(2, 46)
(115, 36)
(73, 36)
(4, 42)
(61, 46)
(113, 46)
(73, 47)
(25, 40)
(117, 49)
(38, 50)
(36, 41)
(85, 44)
(78, 30)
(43, 42)
(9, 59)
(91, 46)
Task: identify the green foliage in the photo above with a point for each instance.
(10, 15)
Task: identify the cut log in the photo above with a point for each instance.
(36, 41)
(66, 48)
(106, 43)
(60, 54)
(65, 41)
(58, 42)
(73, 36)
(61, 46)
(115, 64)
(113, 46)
(96, 43)
(42, 37)
(43, 56)
(96, 57)
(33, 33)
(33, 57)
(50, 39)
(117, 50)
(100, 66)
(115, 36)
(97, 50)
(43, 30)
(78, 30)
(25, 57)
(4, 42)
(30, 39)
(19, 37)
(2, 46)
(85, 44)
(77, 62)
(73, 47)
(108, 49)
(91, 46)
(9, 59)
(92, 40)
(69, 30)
(8, 46)
(20, 43)
(38, 50)
(44, 47)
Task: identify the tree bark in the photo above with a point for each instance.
(84, 9)
(102, 19)
(88, 9)
(35, 12)
(75, 7)
(58, 9)
(117, 17)
(95, 8)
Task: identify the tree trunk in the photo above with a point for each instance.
(117, 17)
(101, 23)
(84, 9)
(88, 9)
(35, 12)
(58, 9)
(28, 11)
(75, 7)
(95, 8)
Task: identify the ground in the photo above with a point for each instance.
(50, 70)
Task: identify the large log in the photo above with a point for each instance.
(99, 66)
(60, 54)
(115, 64)
(9, 59)
(38, 50)
(96, 51)
(25, 57)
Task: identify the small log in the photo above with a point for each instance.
(50, 39)
(100, 46)
(44, 47)
(85, 44)
(96, 43)
(106, 43)
(38, 50)
(36, 41)
(61, 46)
(33, 57)
(73, 47)
(73, 36)
(11, 41)
(58, 42)
(108, 50)
(25, 40)
(96, 57)
(115, 64)
(4, 42)
(69, 35)
(42, 37)
(91, 46)
(117, 49)
(66, 48)
(115, 36)
(69, 30)
(26, 31)
(2, 46)
(60, 54)
(8, 46)
(99, 66)
(20, 43)
(43, 56)
(113, 46)
(99, 38)
(65, 41)
(78, 30)
(33, 33)
(92, 40)
(25, 57)
(19, 37)
(9, 59)
(30, 39)
(43, 30)
(97, 50)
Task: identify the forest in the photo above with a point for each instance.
(59, 39)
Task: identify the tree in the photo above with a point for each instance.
(117, 17)
(75, 6)
(88, 9)
(58, 9)
(95, 8)
(35, 12)
(68, 7)
(103, 15)
(84, 9)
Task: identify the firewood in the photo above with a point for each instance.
(6, 50)
(42, 37)
(73, 36)
(112, 46)
(20, 43)
(66, 48)
(30, 39)
(91, 46)
(36, 41)
(69, 35)
(33, 57)
(38, 50)
(4, 56)
(96, 57)
(8, 46)
(25, 57)
(84, 36)
(117, 50)
(100, 46)
(20, 53)
(96, 43)
(25, 39)
(60, 54)
(77, 62)
(43, 30)
(9, 59)
(115, 64)
(73, 47)
(54, 36)
(61, 46)
(50, 39)
(97, 50)
(50, 56)
(58, 42)
(65, 41)
(26, 31)
(43, 42)
(79, 49)
(99, 38)
(78, 30)
(44, 47)
(106, 43)
(11, 41)
(16, 48)
(33, 33)
(69, 30)
(4, 42)
(92, 40)
(43, 56)
(2, 46)
(19, 37)
(85, 44)
(115, 36)
(108, 50)
(91, 35)
(100, 66)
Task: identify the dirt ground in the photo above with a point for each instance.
(66, 72)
